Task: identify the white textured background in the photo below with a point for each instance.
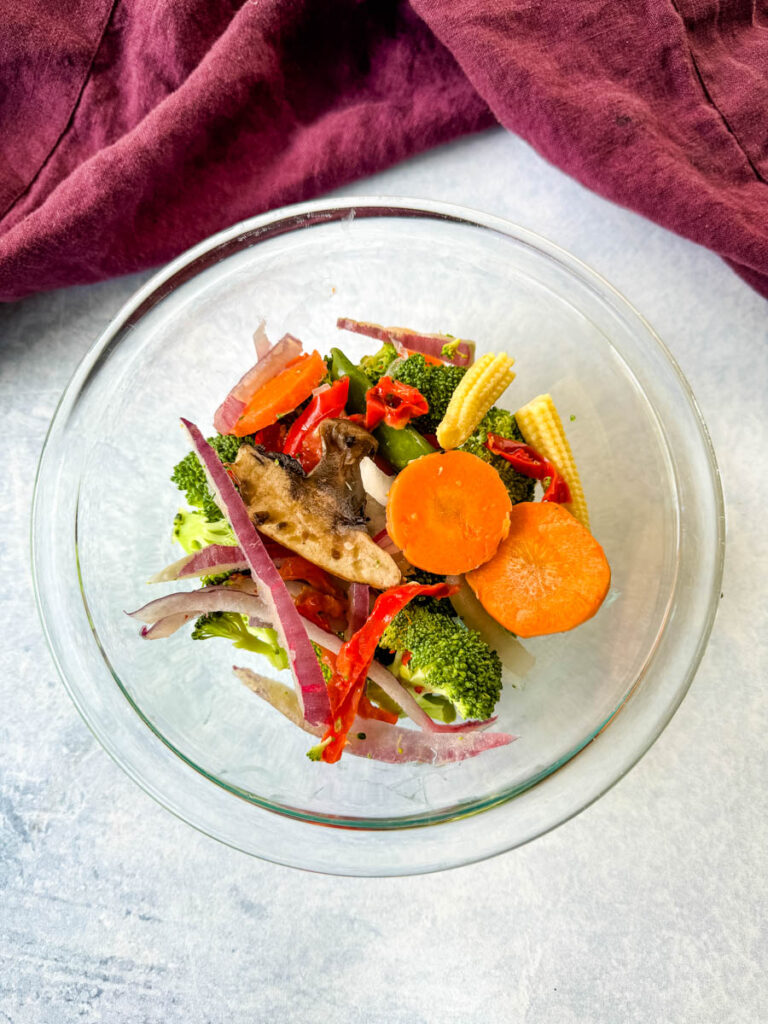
(650, 906)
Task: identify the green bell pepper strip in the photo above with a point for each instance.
(399, 447)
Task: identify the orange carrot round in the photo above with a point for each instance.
(548, 575)
(281, 394)
(448, 511)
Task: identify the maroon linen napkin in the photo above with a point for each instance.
(660, 105)
(130, 129)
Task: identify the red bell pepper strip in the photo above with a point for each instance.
(271, 438)
(295, 567)
(355, 656)
(303, 441)
(393, 402)
(526, 460)
(558, 490)
(326, 611)
(366, 708)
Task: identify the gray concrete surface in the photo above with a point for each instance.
(650, 906)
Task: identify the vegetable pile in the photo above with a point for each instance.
(372, 529)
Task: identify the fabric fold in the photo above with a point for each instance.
(131, 132)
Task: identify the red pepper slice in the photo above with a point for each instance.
(393, 402)
(271, 438)
(366, 708)
(325, 610)
(276, 551)
(303, 441)
(558, 490)
(355, 656)
(295, 567)
(526, 460)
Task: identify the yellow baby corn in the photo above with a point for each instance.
(542, 429)
(479, 388)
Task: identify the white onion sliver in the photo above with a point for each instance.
(375, 481)
(512, 653)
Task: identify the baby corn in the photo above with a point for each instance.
(480, 387)
(540, 425)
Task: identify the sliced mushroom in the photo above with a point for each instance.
(320, 516)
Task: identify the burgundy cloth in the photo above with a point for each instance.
(130, 129)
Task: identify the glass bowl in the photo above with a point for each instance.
(174, 716)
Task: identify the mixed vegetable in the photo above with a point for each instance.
(372, 528)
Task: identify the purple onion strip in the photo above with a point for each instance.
(311, 688)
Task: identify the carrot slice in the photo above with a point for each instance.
(548, 575)
(448, 511)
(281, 394)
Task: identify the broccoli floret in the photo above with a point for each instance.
(406, 625)
(436, 383)
(316, 753)
(375, 366)
(501, 422)
(446, 659)
(234, 626)
(189, 476)
(448, 351)
(193, 531)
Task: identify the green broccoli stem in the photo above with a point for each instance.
(399, 447)
(234, 627)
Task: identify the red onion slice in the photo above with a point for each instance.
(260, 340)
(359, 604)
(395, 745)
(379, 741)
(386, 543)
(312, 691)
(210, 561)
(165, 627)
(275, 360)
(188, 604)
(427, 344)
